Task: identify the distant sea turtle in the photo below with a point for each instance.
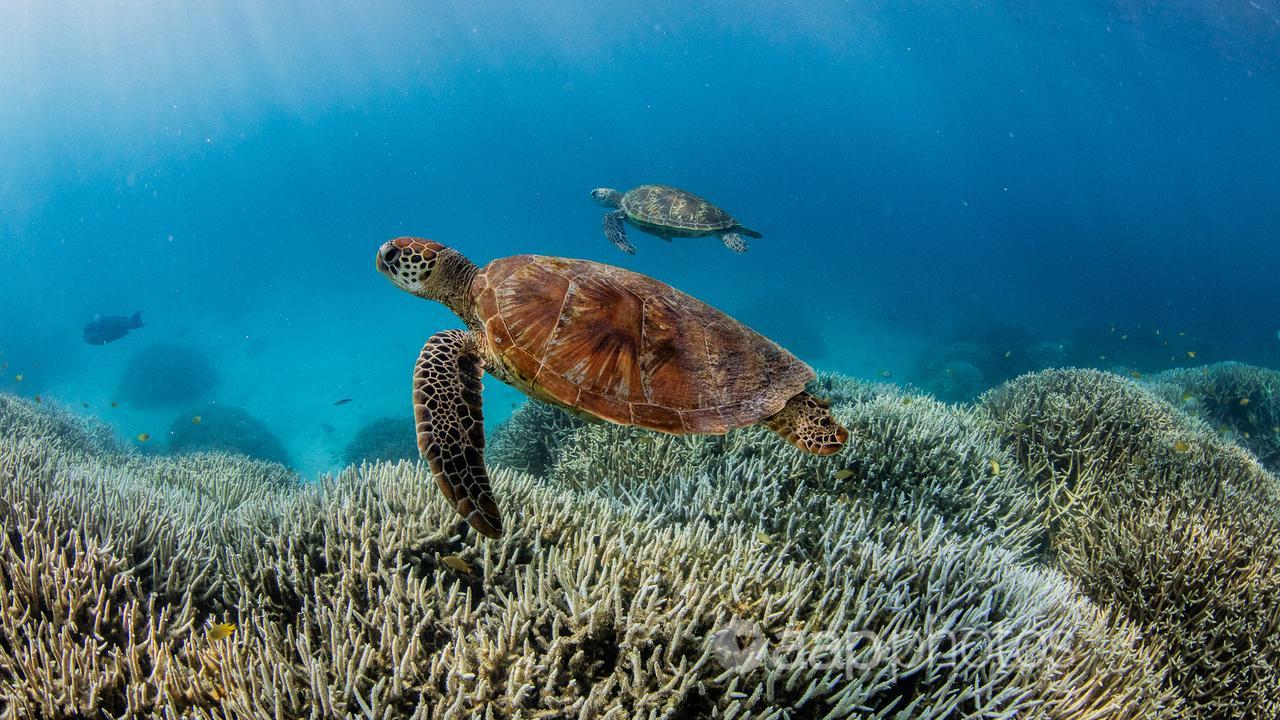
(602, 342)
(667, 212)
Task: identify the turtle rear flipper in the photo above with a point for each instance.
(733, 241)
(747, 231)
(450, 425)
(617, 232)
(806, 422)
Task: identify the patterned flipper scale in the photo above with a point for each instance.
(617, 232)
(446, 407)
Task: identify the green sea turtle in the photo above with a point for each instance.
(602, 342)
(667, 212)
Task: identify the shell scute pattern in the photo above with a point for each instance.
(629, 349)
(663, 206)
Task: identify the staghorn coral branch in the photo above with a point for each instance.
(667, 578)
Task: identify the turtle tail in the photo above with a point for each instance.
(748, 232)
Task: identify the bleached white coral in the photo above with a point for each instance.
(594, 605)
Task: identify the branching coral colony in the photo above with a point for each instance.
(1071, 547)
(1159, 517)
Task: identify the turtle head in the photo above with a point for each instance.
(409, 263)
(427, 269)
(607, 197)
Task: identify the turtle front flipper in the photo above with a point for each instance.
(734, 241)
(806, 422)
(617, 232)
(446, 407)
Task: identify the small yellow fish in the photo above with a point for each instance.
(765, 538)
(1246, 436)
(1135, 375)
(457, 563)
(143, 437)
(18, 377)
(1181, 446)
(1244, 401)
(995, 467)
(195, 420)
(219, 631)
(1124, 337)
(1191, 354)
(1007, 353)
(1275, 429)
(844, 474)
(1102, 357)
(1186, 396)
(886, 374)
(1157, 332)
(1182, 333)
(906, 401)
(1022, 427)
(1223, 429)
(1113, 328)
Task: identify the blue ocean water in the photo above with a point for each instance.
(1094, 182)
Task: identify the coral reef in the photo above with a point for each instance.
(948, 372)
(1160, 518)
(165, 375)
(363, 595)
(910, 459)
(1071, 547)
(1240, 401)
(389, 438)
(979, 356)
(530, 440)
(225, 429)
(50, 426)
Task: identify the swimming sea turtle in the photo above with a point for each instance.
(667, 212)
(602, 342)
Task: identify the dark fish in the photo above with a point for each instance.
(111, 327)
(343, 401)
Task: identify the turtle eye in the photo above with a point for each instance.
(389, 254)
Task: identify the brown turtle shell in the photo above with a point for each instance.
(627, 348)
(665, 206)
